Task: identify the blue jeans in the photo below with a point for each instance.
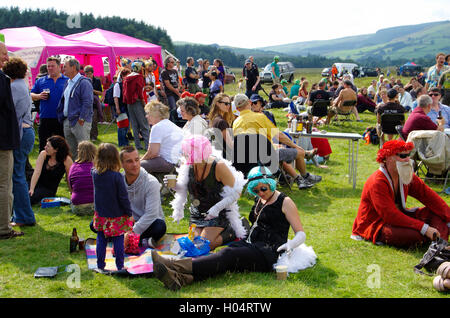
(22, 212)
(122, 136)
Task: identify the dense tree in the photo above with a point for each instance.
(56, 22)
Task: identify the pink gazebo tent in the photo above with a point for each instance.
(35, 45)
(122, 45)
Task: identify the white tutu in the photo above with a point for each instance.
(298, 259)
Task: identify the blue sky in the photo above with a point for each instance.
(257, 23)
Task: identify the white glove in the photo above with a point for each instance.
(298, 240)
(214, 211)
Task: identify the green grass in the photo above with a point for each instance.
(327, 212)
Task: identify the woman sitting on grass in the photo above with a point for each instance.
(271, 215)
(80, 179)
(51, 165)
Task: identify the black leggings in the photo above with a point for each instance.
(40, 193)
(233, 258)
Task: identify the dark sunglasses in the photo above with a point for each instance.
(226, 103)
(435, 94)
(403, 155)
(262, 189)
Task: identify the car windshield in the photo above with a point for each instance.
(268, 68)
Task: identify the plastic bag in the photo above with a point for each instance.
(199, 246)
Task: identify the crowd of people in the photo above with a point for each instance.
(190, 127)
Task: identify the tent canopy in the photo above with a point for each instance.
(121, 45)
(35, 45)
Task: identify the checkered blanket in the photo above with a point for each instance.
(134, 264)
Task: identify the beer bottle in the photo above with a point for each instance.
(74, 240)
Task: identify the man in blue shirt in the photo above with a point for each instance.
(48, 90)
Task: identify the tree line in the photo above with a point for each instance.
(57, 22)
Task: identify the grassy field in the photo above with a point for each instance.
(345, 268)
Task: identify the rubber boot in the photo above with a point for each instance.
(172, 279)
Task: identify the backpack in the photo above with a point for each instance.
(438, 252)
(109, 99)
(371, 136)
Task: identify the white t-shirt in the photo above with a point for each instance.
(169, 136)
(116, 90)
(196, 126)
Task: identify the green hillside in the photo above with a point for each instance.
(414, 41)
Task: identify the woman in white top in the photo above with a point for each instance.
(190, 111)
(164, 148)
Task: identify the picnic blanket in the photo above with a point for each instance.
(135, 264)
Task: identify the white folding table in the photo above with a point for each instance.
(353, 139)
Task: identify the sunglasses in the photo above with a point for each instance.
(226, 103)
(262, 189)
(403, 155)
(435, 94)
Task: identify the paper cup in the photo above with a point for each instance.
(282, 271)
(171, 180)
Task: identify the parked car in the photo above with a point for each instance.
(287, 70)
(229, 76)
(368, 71)
(326, 72)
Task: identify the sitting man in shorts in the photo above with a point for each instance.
(251, 122)
(383, 217)
(346, 94)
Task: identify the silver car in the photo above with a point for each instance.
(287, 70)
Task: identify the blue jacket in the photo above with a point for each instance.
(80, 102)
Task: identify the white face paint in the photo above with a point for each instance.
(405, 171)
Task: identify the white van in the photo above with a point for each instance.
(349, 67)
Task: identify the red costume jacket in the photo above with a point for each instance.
(378, 208)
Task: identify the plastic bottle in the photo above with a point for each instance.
(294, 125)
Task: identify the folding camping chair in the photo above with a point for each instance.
(346, 110)
(389, 123)
(431, 154)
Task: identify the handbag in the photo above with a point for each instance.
(122, 120)
(438, 252)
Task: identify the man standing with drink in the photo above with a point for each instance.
(48, 90)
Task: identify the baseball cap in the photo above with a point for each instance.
(392, 93)
(240, 100)
(200, 60)
(248, 61)
(255, 98)
(276, 58)
(186, 94)
(199, 94)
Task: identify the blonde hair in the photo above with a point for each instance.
(86, 152)
(107, 158)
(215, 110)
(158, 108)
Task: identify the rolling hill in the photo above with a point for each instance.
(412, 41)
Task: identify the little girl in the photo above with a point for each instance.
(112, 216)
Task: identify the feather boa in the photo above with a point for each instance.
(233, 215)
(299, 258)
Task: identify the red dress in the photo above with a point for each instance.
(378, 208)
